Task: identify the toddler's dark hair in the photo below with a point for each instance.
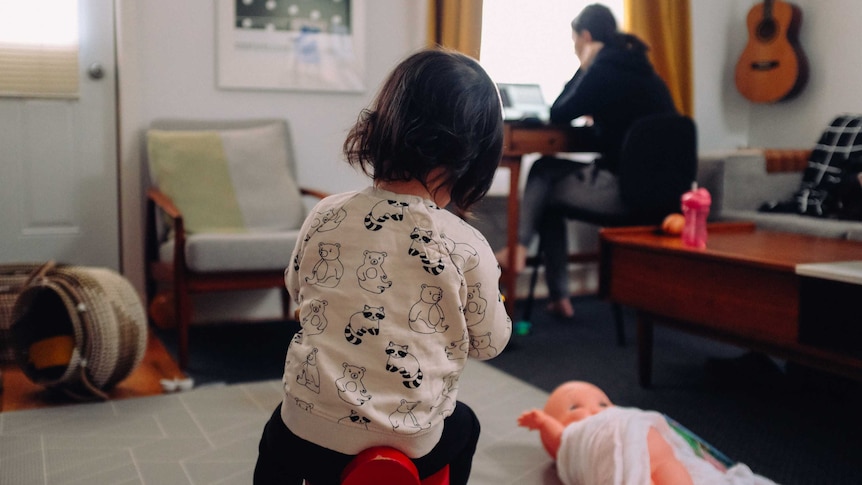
(438, 108)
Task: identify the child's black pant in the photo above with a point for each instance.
(286, 459)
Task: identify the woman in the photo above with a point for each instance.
(614, 86)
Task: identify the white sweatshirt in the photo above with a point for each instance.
(394, 294)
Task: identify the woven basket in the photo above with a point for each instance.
(97, 311)
(13, 278)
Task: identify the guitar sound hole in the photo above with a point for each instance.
(766, 30)
(764, 65)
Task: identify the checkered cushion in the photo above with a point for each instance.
(839, 143)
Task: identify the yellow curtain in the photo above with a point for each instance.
(456, 24)
(665, 25)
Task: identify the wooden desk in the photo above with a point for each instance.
(522, 139)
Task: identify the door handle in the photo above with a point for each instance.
(95, 71)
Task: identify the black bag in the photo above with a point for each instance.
(849, 192)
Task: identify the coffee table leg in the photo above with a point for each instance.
(645, 340)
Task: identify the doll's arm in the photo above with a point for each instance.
(549, 428)
(665, 468)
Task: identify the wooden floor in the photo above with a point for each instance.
(18, 392)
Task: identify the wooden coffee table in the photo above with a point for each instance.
(742, 289)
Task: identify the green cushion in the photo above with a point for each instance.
(233, 180)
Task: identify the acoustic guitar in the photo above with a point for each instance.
(772, 67)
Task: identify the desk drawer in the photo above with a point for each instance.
(542, 140)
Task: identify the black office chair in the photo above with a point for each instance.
(658, 163)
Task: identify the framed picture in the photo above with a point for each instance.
(313, 45)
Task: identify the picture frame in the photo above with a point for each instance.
(313, 45)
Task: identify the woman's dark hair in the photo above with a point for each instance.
(437, 109)
(600, 22)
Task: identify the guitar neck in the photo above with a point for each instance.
(767, 9)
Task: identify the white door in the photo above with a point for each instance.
(58, 161)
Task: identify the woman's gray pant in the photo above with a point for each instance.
(556, 190)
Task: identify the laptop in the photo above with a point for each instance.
(523, 102)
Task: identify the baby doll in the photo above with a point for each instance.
(595, 442)
(575, 401)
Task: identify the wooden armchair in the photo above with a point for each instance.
(223, 211)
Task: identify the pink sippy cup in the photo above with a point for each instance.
(695, 207)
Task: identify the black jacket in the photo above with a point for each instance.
(620, 87)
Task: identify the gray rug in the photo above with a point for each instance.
(788, 423)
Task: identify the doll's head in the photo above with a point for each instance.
(575, 400)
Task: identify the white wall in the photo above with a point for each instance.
(720, 112)
(726, 120)
(167, 68)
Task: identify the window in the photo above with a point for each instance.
(39, 48)
(525, 41)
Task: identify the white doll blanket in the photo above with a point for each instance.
(610, 448)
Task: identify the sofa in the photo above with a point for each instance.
(741, 181)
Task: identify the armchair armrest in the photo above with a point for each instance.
(313, 192)
(786, 160)
(166, 205)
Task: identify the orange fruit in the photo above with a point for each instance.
(673, 224)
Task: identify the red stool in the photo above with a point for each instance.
(387, 465)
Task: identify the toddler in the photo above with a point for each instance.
(394, 291)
